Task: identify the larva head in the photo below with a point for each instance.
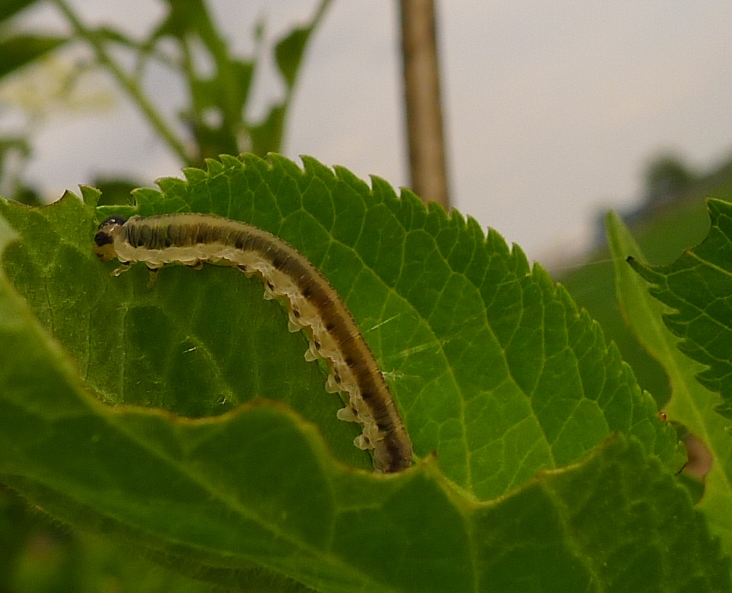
(105, 236)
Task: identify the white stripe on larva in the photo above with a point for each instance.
(313, 304)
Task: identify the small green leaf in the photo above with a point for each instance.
(289, 52)
(266, 136)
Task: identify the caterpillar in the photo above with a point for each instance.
(313, 304)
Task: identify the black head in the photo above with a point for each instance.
(104, 238)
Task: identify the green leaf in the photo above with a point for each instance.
(624, 524)
(15, 525)
(289, 52)
(221, 453)
(9, 8)
(698, 287)
(266, 136)
(290, 49)
(21, 50)
(691, 404)
(39, 555)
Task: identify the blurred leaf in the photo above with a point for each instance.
(266, 136)
(15, 527)
(666, 178)
(10, 144)
(218, 107)
(183, 17)
(9, 8)
(41, 556)
(289, 53)
(21, 50)
(114, 190)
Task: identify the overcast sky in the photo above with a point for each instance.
(552, 109)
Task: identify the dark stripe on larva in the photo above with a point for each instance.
(194, 238)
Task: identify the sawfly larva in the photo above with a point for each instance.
(314, 305)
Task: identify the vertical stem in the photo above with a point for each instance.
(422, 98)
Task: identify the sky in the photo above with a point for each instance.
(552, 109)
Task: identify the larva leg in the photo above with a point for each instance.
(363, 442)
(246, 270)
(314, 351)
(269, 290)
(294, 324)
(122, 269)
(331, 385)
(196, 265)
(153, 276)
(347, 414)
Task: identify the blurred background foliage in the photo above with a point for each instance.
(37, 555)
(37, 82)
(671, 216)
